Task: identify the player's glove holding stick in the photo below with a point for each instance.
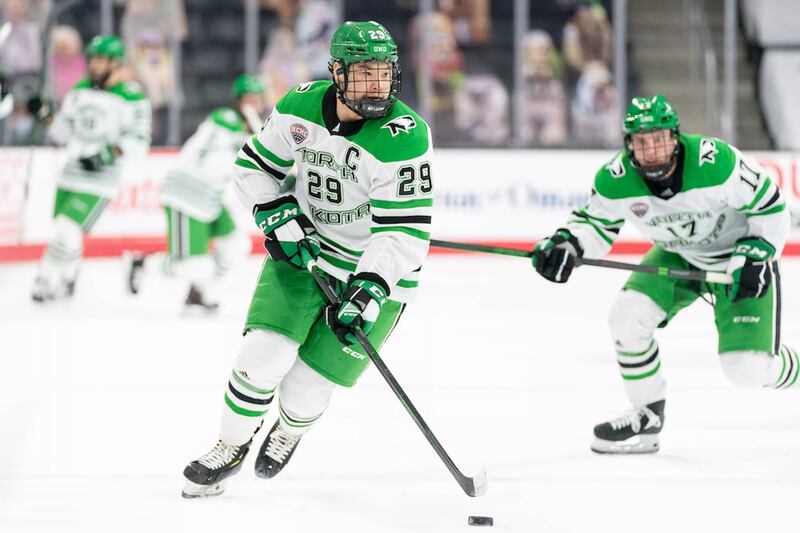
(290, 235)
(749, 267)
(554, 256)
(360, 306)
(97, 158)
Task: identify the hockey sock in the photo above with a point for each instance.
(641, 372)
(789, 368)
(62, 256)
(294, 424)
(245, 407)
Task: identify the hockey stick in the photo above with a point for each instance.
(680, 273)
(473, 486)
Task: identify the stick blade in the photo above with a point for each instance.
(477, 484)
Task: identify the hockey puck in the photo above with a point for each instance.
(480, 521)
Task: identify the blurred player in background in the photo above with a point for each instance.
(203, 242)
(105, 124)
(703, 205)
(362, 208)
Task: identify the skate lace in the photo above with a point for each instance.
(219, 456)
(633, 418)
(281, 444)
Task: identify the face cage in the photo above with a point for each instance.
(368, 107)
(652, 172)
(100, 82)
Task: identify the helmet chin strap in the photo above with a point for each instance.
(657, 172)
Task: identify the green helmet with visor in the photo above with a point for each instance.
(361, 42)
(648, 114)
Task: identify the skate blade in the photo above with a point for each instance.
(634, 445)
(193, 490)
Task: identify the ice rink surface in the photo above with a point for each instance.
(103, 401)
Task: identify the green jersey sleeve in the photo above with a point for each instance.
(597, 224)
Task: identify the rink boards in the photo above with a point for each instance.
(498, 196)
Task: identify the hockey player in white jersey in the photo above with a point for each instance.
(362, 208)
(703, 205)
(104, 124)
(203, 241)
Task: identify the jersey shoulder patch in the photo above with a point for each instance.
(398, 125)
(708, 161)
(399, 136)
(305, 101)
(228, 118)
(708, 149)
(616, 167)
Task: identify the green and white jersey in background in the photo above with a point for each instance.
(91, 119)
(723, 196)
(366, 186)
(196, 185)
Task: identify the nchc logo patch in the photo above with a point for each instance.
(405, 124)
(299, 133)
(640, 209)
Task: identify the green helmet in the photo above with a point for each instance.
(357, 42)
(109, 46)
(646, 114)
(246, 84)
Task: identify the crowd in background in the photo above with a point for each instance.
(454, 62)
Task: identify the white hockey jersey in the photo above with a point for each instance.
(722, 197)
(366, 186)
(90, 119)
(196, 185)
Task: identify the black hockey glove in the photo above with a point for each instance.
(286, 228)
(103, 157)
(360, 306)
(749, 266)
(554, 257)
(39, 107)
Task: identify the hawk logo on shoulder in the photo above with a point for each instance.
(405, 124)
(303, 87)
(708, 149)
(616, 167)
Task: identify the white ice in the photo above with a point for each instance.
(105, 399)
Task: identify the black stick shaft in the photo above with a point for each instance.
(472, 486)
(681, 273)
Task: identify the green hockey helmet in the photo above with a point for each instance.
(648, 114)
(109, 46)
(246, 84)
(360, 42)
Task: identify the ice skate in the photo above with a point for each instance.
(275, 452)
(634, 432)
(207, 476)
(45, 290)
(133, 264)
(197, 300)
